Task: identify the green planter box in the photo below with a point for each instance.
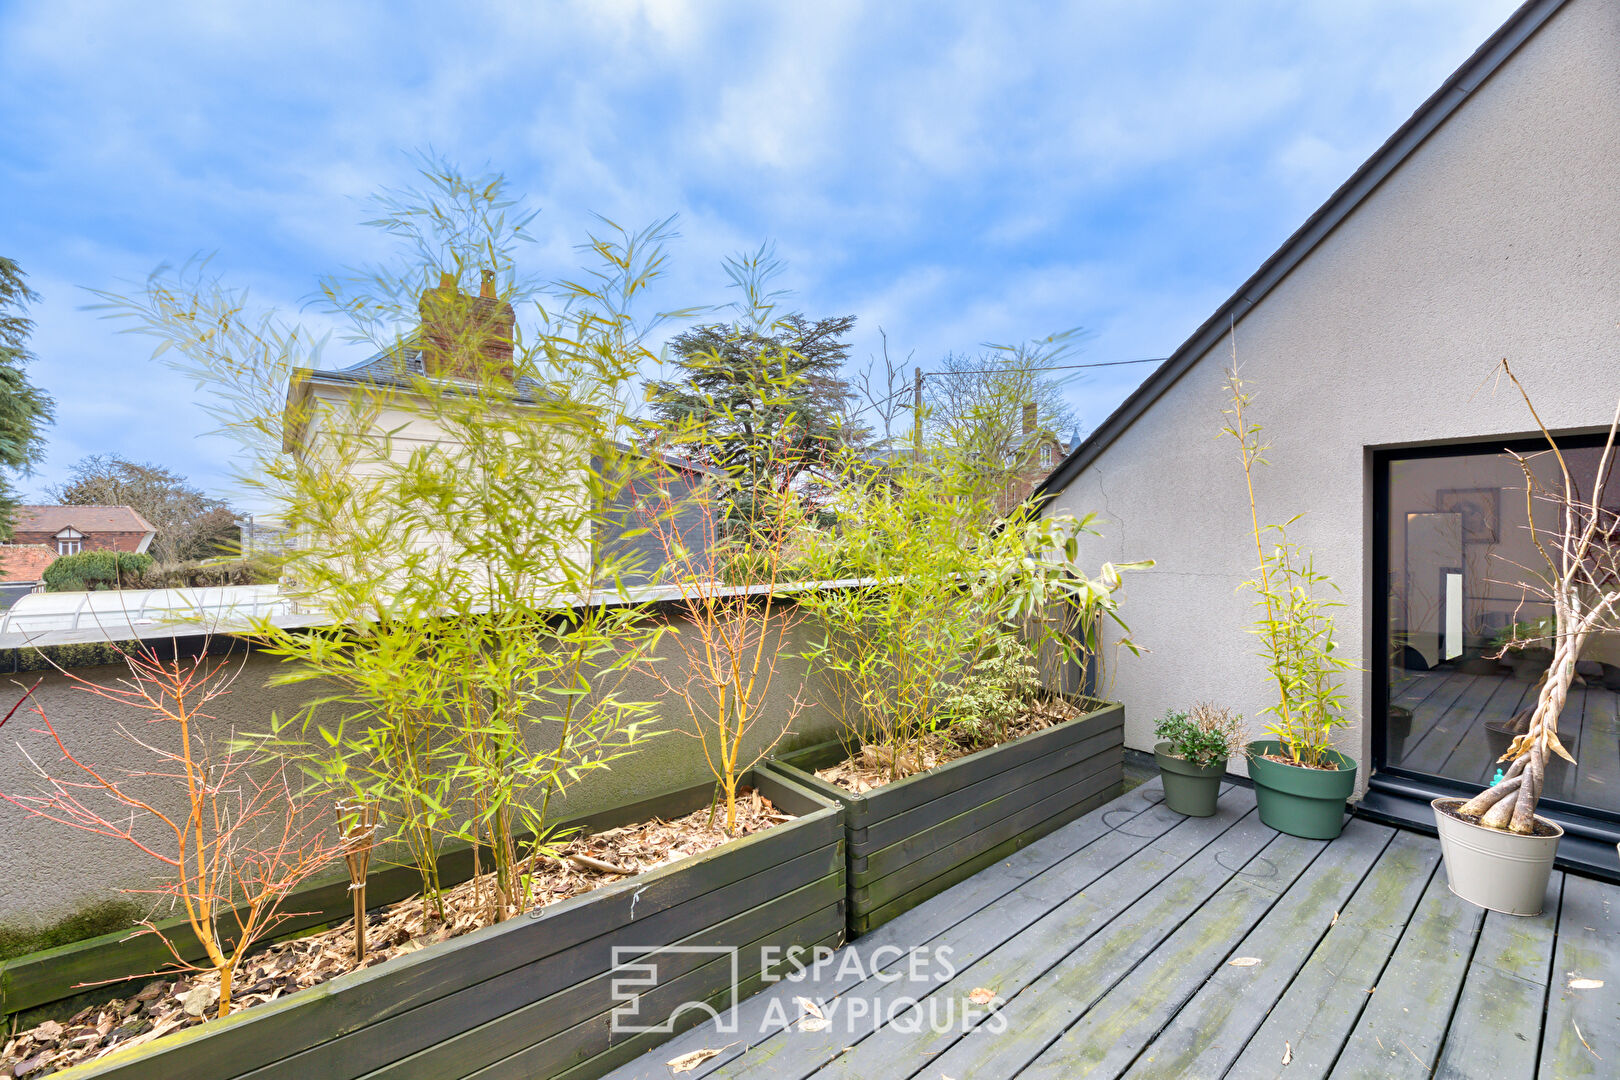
(535, 996)
(912, 839)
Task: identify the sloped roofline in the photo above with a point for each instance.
(1519, 28)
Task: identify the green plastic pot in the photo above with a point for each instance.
(1189, 789)
(1302, 802)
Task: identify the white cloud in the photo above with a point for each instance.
(954, 172)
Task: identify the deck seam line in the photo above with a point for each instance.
(1114, 982)
(1462, 986)
(1151, 1039)
(1367, 998)
(1552, 973)
(1320, 938)
(1252, 811)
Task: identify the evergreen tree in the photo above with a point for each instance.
(25, 409)
(770, 401)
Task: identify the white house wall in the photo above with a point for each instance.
(1499, 237)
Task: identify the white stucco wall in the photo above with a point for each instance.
(1499, 237)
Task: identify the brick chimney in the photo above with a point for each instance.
(1029, 418)
(465, 336)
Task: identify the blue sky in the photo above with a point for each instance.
(953, 172)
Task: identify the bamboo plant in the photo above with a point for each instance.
(467, 640)
(1295, 624)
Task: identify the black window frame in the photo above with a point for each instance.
(1409, 781)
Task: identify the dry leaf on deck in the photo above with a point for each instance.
(980, 996)
(688, 1062)
(1288, 1052)
(1585, 984)
(813, 1020)
(1243, 961)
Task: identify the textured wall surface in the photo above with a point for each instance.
(50, 871)
(1499, 237)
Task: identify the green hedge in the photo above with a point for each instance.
(90, 570)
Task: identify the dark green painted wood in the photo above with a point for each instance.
(673, 901)
(928, 835)
(27, 982)
(1400, 1032)
(1496, 1029)
(884, 834)
(1004, 898)
(496, 1017)
(892, 799)
(1230, 1003)
(650, 1048)
(933, 873)
(693, 976)
(593, 1038)
(1582, 1034)
(1326, 998)
(911, 839)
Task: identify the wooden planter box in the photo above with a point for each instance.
(534, 997)
(912, 839)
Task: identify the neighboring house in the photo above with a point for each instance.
(667, 506)
(385, 387)
(1488, 226)
(69, 530)
(1038, 454)
(22, 570)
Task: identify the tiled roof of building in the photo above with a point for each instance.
(86, 519)
(24, 562)
(401, 366)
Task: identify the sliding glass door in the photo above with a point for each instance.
(1458, 561)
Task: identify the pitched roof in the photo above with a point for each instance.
(401, 366)
(21, 563)
(86, 519)
(1496, 50)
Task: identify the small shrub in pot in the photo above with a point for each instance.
(1192, 755)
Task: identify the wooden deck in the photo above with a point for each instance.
(1135, 942)
(1448, 737)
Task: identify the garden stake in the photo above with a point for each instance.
(358, 835)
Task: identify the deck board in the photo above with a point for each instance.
(1109, 945)
(1404, 1024)
(1497, 1026)
(1229, 1006)
(1582, 1032)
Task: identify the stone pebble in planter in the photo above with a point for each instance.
(911, 839)
(534, 996)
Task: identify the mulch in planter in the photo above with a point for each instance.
(871, 767)
(170, 1004)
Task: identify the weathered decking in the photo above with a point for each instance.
(1135, 942)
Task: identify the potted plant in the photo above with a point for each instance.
(1523, 645)
(1300, 781)
(1193, 754)
(1498, 851)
